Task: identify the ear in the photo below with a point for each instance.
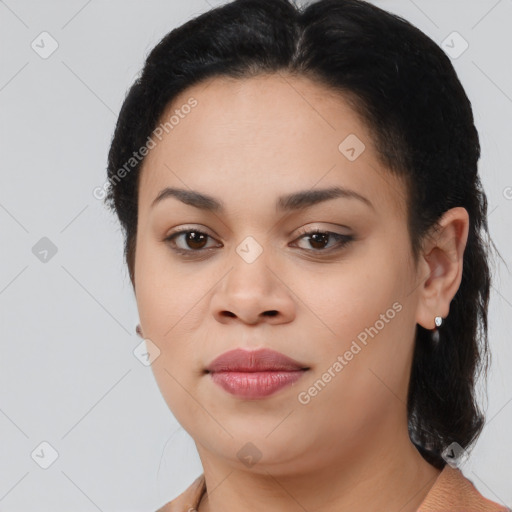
(440, 266)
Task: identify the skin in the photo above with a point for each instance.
(246, 143)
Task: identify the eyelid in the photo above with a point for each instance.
(314, 229)
(187, 227)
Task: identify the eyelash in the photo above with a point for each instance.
(344, 241)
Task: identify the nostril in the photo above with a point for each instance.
(271, 313)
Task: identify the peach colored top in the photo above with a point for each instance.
(451, 492)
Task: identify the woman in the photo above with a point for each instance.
(304, 231)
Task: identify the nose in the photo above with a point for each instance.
(252, 293)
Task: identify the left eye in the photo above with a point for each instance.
(319, 239)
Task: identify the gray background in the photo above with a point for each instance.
(68, 375)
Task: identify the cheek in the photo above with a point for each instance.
(164, 295)
(170, 310)
(165, 303)
(346, 300)
(366, 321)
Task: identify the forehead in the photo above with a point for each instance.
(281, 130)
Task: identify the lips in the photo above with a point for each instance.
(262, 360)
(254, 374)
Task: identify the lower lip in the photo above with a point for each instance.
(255, 384)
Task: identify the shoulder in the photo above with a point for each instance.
(453, 492)
(188, 500)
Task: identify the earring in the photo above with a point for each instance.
(435, 335)
(138, 330)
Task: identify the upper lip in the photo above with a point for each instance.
(253, 361)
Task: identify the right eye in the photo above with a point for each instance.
(192, 241)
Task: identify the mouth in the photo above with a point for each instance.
(239, 360)
(254, 374)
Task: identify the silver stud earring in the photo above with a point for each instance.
(435, 335)
(138, 330)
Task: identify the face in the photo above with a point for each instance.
(252, 273)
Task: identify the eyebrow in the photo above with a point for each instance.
(291, 202)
